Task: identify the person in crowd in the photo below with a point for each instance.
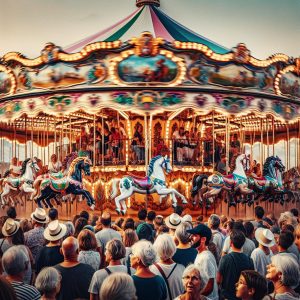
(70, 229)
(179, 210)
(107, 233)
(284, 273)
(232, 264)
(295, 213)
(48, 283)
(129, 239)
(187, 218)
(53, 214)
(142, 215)
(25, 225)
(11, 212)
(119, 222)
(287, 218)
(15, 167)
(247, 248)
(218, 237)
(184, 254)
(173, 221)
(192, 283)
(114, 252)
(54, 165)
(170, 271)
(251, 286)
(285, 241)
(144, 232)
(259, 217)
(158, 221)
(138, 143)
(201, 237)
(249, 232)
(148, 285)
(118, 286)
(75, 276)
(261, 256)
(179, 143)
(9, 229)
(150, 218)
(88, 250)
(50, 254)
(34, 239)
(6, 290)
(221, 165)
(79, 225)
(15, 262)
(128, 224)
(297, 237)
(84, 214)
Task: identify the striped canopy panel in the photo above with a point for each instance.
(147, 18)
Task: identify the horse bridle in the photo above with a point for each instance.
(165, 164)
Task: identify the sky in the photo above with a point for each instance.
(265, 26)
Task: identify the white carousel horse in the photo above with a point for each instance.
(18, 186)
(237, 181)
(154, 182)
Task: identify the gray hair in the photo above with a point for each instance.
(289, 269)
(116, 248)
(15, 260)
(70, 229)
(214, 221)
(47, 280)
(164, 246)
(181, 232)
(191, 268)
(287, 218)
(145, 251)
(118, 286)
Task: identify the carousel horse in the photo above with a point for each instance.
(270, 185)
(18, 186)
(154, 182)
(71, 184)
(234, 183)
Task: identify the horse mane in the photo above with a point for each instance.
(232, 164)
(266, 165)
(151, 164)
(7, 172)
(68, 159)
(73, 163)
(23, 168)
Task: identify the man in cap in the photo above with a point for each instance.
(201, 236)
(34, 238)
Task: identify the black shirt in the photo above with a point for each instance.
(48, 257)
(231, 266)
(185, 256)
(75, 281)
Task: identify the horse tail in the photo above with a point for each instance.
(37, 187)
(114, 188)
(197, 184)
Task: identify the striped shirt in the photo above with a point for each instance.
(25, 291)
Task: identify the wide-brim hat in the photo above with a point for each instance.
(40, 216)
(173, 220)
(55, 231)
(10, 227)
(265, 237)
(187, 218)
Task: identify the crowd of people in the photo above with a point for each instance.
(152, 257)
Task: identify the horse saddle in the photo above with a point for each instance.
(259, 180)
(143, 182)
(14, 182)
(57, 175)
(229, 179)
(60, 184)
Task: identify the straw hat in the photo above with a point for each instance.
(55, 231)
(265, 237)
(10, 227)
(187, 218)
(40, 216)
(173, 220)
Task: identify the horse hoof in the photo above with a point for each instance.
(184, 201)
(92, 207)
(174, 205)
(123, 212)
(118, 211)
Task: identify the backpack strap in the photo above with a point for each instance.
(165, 278)
(107, 270)
(128, 266)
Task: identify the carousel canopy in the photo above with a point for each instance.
(148, 17)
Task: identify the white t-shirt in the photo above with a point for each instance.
(175, 279)
(261, 260)
(100, 275)
(218, 239)
(208, 269)
(54, 167)
(105, 235)
(247, 248)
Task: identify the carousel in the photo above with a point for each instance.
(163, 113)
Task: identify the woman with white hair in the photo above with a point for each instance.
(148, 285)
(284, 272)
(48, 283)
(170, 271)
(192, 283)
(184, 254)
(118, 286)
